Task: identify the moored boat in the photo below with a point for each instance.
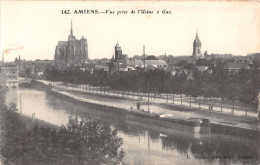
(167, 121)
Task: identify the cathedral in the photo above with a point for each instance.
(197, 47)
(72, 52)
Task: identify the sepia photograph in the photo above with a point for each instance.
(129, 82)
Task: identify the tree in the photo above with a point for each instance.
(85, 142)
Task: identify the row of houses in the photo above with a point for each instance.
(121, 62)
(136, 64)
(32, 69)
(128, 65)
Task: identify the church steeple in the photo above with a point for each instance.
(118, 52)
(71, 32)
(71, 37)
(197, 36)
(196, 46)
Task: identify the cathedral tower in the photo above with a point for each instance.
(118, 52)
(196, 46)
(73, 52)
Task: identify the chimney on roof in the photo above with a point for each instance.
(144, 54)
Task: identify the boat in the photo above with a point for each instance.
(163, 135)
(168, 121)
(142, 112)
(200, 121)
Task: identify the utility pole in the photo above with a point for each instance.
(148, 99)
(148, 140)
(20, 103)
(258, 114)
(181, 99)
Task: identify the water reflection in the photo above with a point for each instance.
(145, 144)
(212, 147)
(12, 96)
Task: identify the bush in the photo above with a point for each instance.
(85, 142)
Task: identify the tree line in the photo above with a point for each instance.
(243, 85)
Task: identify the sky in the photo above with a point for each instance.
(32, 29)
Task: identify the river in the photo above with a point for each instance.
(143, 144)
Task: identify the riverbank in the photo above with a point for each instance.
(214, 104)
(30, 123)
(224, 125)
(47, 144)
(122, 101)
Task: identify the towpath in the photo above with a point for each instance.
(157, 106)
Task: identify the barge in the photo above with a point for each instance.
(165, 121)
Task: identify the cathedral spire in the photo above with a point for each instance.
(71, 32)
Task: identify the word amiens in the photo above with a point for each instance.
(80, 12)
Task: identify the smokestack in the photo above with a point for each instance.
(3, 60)
(144, 55)
(19, 65)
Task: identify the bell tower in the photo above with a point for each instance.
(196, 46)
(118, 52)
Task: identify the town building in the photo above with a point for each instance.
(121, 62)
(135, 63)
(72, 52)
(40, 66)
(103, 67)
(234, 67)
(2, 80)
(217, 56)
(9, 72)
(119, 59)
(2, 89)
(156, 64)
(32, 69)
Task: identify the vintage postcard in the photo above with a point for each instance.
(129, 82)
